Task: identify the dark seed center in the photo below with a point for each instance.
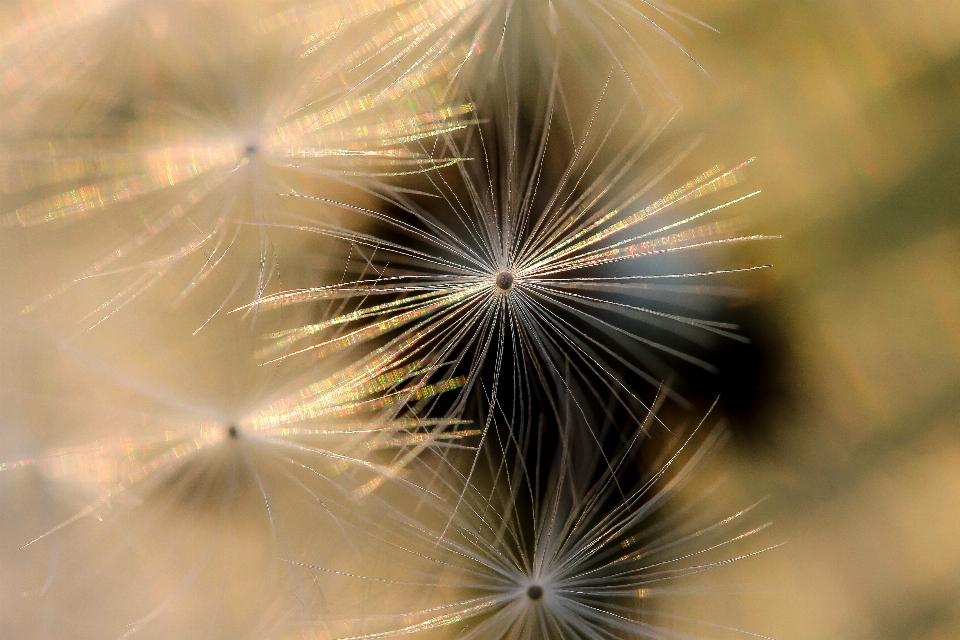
(504, 280)
(534, 592)
(233, 432)
(251, 149)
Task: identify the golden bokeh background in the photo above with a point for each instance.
(853, 111)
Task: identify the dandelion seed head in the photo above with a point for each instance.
(203, 167)
(551, 565)
(602, 262)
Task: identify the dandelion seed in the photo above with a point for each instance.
(206, 498)
(194, 179)
(121, 463)
(584, 559)
(578, 284)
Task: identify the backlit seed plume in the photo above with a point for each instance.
(189, 181)
(188, 507)
(462, 40)
(565, 552)
(548, 263)
(336, 420)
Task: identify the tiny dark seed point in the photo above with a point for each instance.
(233, 432)
(250, 150)
(535, 592)
(504, 280)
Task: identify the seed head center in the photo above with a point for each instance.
(251, 150)
(534, 592)
(233, 432)
(504, 281)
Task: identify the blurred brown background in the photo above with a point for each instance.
(853, 111)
